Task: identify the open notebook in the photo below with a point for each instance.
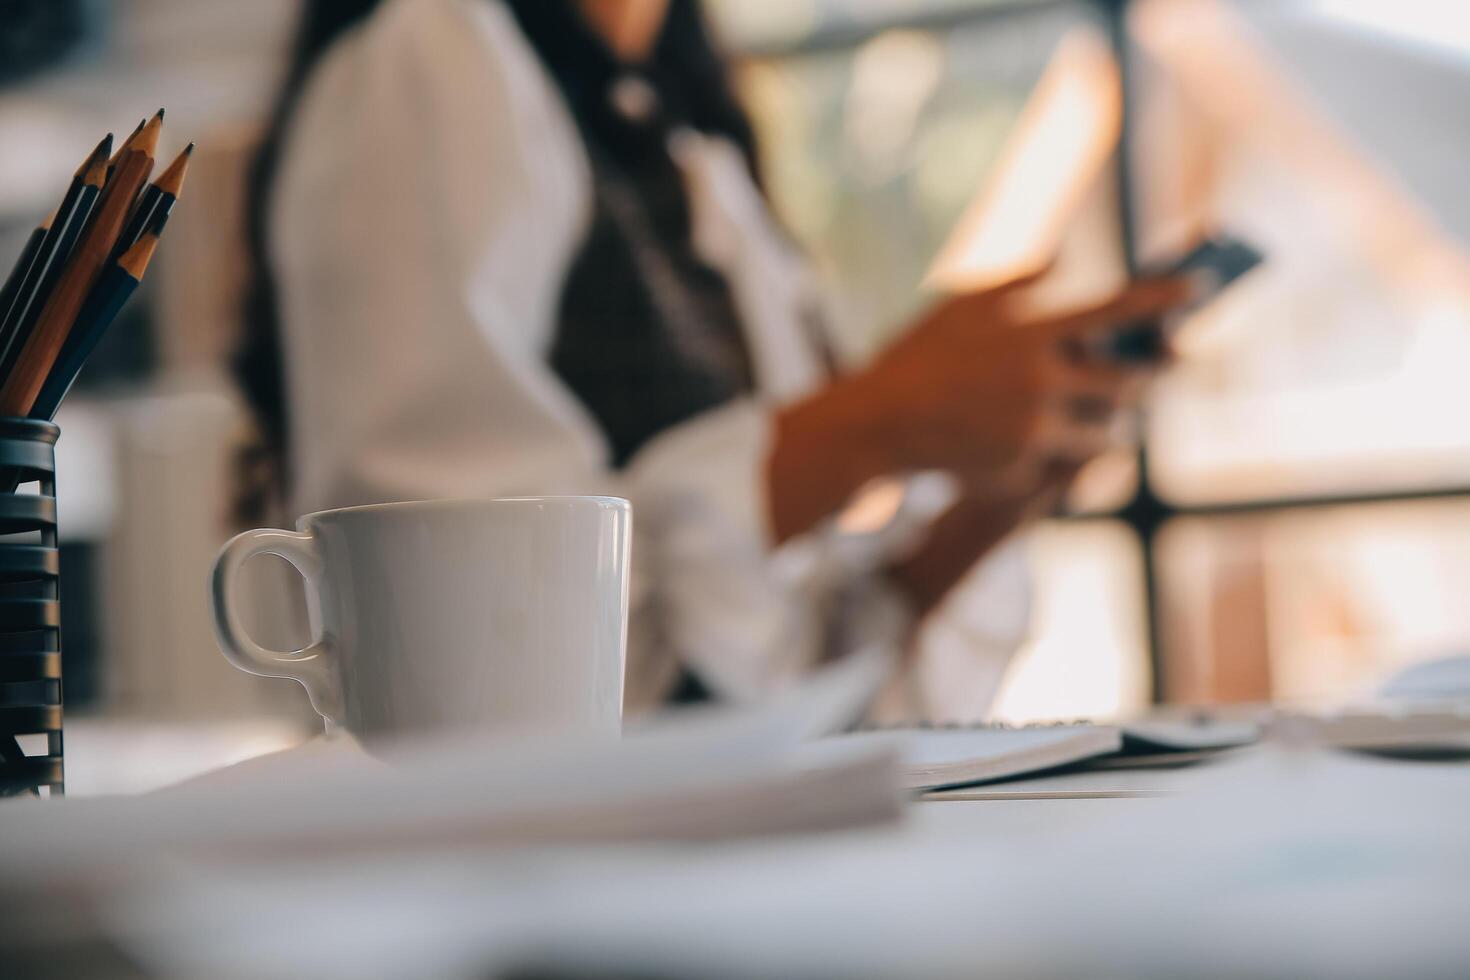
(931, 758)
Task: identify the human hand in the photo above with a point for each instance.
(978, 388)
(994, 396)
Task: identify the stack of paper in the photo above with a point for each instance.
(715, 773)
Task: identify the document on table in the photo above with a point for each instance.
(700, 774)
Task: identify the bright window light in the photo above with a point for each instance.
(1435, 23)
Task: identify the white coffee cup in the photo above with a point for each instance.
(507, 614)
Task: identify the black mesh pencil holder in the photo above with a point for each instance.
(30, 611)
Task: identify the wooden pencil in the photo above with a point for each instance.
(155, 203)
(127, 145)
(66, 240)
(22, 265)
(107, 297)
(23, 382)
(54, 252)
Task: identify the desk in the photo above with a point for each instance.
(1276, 863)
(125, 755)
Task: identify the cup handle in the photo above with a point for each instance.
(314, 666)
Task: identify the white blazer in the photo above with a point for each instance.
(432, 194)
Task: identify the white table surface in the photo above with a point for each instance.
(1273, 863)
(108, 755)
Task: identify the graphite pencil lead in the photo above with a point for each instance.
(94, 170)
(147, 140)
(102, 151)
(127, 144)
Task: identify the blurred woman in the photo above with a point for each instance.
(521, 247)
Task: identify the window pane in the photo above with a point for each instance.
(1314, 605)
(1087, 655)
(1337, 367)
(872, 151)
(1315, 388)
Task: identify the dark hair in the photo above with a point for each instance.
(582, 67)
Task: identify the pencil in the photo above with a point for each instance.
(52, 255)
(107, 297)
(155, 203)
(66, 240)
(22, 266)
(23, 382)
(147, 130)
(127, 145)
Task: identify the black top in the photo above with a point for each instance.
(648, 334)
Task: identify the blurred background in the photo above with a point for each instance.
(1297, 524)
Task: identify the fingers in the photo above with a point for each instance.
(1090, 410)
(1091, 394)
(1060, 474)
(1144, 300)
(1061, 437)
(1118, 383)
(1077, 416)
(1056, 480)
(1015, 480)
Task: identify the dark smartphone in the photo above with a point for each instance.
(1215, 263)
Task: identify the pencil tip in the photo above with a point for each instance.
(127, 143)
(148, 138)
(94, 168)
(159, 114)
(103, 149)
(172, 179)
